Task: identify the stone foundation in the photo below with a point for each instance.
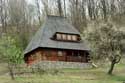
(60, 65)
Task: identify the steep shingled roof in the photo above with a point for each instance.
(52, 25)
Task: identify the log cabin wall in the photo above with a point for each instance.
(56, 55)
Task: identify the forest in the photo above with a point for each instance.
(100, 22)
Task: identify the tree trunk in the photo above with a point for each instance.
(59, 7)
(11, 71)
(65, 7)
(111, 68)
(116, 59)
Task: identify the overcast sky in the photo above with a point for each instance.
(31, 1)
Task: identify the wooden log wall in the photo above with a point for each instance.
(52, 55)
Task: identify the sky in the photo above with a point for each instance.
(31, 1)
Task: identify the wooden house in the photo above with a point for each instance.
(57, 40)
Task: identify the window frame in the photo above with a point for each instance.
(60, 53)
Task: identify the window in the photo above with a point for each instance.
(64, 36)
(75, 53)
(38, 56)
(69, 37)
(58, 36)
(60, 53)
(74, 37)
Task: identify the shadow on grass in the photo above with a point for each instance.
(118, 78)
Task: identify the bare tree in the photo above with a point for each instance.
(38, 11)
(65, 7)
(60, 7)
(3, 14)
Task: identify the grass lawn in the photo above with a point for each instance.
(97, 75)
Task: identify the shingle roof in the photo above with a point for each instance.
(52, 25)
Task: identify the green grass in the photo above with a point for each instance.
(96, 75)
